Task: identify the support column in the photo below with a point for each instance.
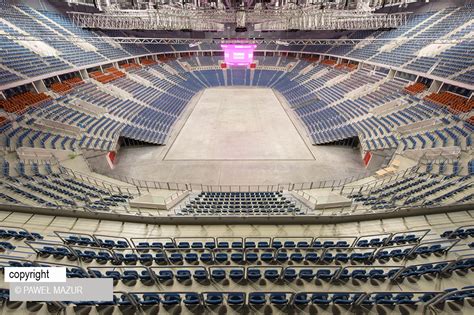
(391, 74)
(40, 86)
(435, 86)
(84, 74)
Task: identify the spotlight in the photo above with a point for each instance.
(281, 43)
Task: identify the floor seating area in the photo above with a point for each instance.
(234, 203)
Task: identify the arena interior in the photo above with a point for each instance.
(240, 156)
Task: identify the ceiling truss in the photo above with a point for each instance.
(214, 20)
(195, 42)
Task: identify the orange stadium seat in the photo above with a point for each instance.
(329, 62)
(346, 66)
(456, 103)
(115, 72)
(165, 57)
(110, 75)
(73, 81)
(60, 88)
(20, 102)
(463, 107)
(311, 59)
(415, 88)
(132, 65)
(147, 62)
(66, 85)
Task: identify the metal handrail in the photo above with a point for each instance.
(151, 184)
(111, 187)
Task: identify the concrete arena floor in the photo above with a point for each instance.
(238, 124)
(237, 136)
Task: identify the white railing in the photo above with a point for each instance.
(111, 187)
(151, 184)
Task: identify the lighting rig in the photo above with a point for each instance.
(261, 15)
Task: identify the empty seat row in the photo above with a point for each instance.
(128, 301)
(178, 256)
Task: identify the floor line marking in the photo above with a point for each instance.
(184, 121)
(293, 123)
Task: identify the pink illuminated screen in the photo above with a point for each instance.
(238, 54)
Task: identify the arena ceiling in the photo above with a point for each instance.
(246, 5)
(241, 15)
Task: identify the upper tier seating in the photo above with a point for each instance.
(454, 62)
